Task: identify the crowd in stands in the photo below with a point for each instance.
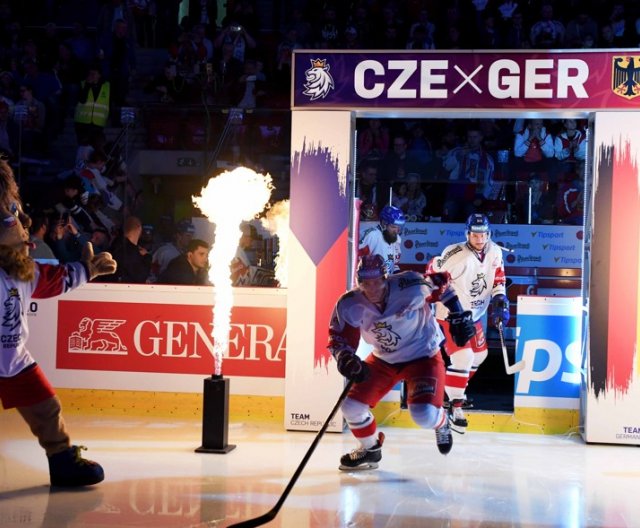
(76, 60)
(442, 170)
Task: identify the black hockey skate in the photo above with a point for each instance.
(444, 438)
(362, 458)
(69, 469)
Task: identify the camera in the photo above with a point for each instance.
(236, 29)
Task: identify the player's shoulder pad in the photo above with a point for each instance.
(449, 252)
(409, 279)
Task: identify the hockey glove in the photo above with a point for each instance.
(461, 327)
(500, 309)
(100, 264)
(351, 366)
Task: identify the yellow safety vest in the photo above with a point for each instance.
(94, 112)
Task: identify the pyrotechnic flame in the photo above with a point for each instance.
(276, 222)
(228, 200)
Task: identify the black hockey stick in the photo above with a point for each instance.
(270, 515)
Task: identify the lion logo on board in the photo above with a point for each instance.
(97, 336)
(318, 80)
(625, 76)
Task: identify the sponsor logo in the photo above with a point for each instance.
(318, 80)
(550, 346)
(625, 73)
(546, 234)
(528, 258)
(175, 339)
(505, 233)
(423, 386)
(426, 243)
(415, 231)
(97, 336)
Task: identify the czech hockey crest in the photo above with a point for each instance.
(318, 80)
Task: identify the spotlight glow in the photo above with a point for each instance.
(276, 222)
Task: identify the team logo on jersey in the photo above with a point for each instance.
(478, 285)
(625, 76)
(386, 337)
(12, 310)
(97, 335)
(318, 80)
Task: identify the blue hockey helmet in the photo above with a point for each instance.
(391, 215)
(371, 267)
(478, 223)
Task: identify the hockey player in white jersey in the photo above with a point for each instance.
(477, 273)
(384, 239)
(392, 313)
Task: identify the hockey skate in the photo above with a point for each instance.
(69, 469)
(444, 438)
(456, 416)
(362, 458)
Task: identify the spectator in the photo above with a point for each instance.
(182, 235)
(425, 25)
(251, 84)
(81, 45)
(373, 141)
(571, 144)
(108, 16)
(579, 27)
(534, 145)
(400, 198)
(170, 86)
(9, 89)
(570, 202)
(9, 132)
(227, 70)
(416, 199)
(39, 249)
(472, 168)
(284, 52)
(30, 115)
(514, 32)
(547, 33)
(189, 268)
(100, 239)
(134, 262)
(201, 40)
(74, 201)
(371, 193)
(95, 183)
(66, 240)
(401, 160)
(118, 54)
(92, 109)
(70, 72)
(47, 89)
(242, 263)
(143, 17)
(239, 37)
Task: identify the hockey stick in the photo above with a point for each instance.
(270, 515)
(516, 367)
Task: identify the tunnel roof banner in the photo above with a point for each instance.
(484, 80)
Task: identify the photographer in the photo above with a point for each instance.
(238, 36)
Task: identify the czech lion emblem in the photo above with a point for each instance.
(318, 80)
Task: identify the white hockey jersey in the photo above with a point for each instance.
(476, 278)
(404, 331)
(50, 281)
(373, 243)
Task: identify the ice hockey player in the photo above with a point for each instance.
(477, 273)
(384, 239)
(392, 313)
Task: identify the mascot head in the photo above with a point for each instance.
(14, 237)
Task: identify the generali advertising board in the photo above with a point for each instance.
(158, 338)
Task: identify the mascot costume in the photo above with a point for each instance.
(23, 385)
